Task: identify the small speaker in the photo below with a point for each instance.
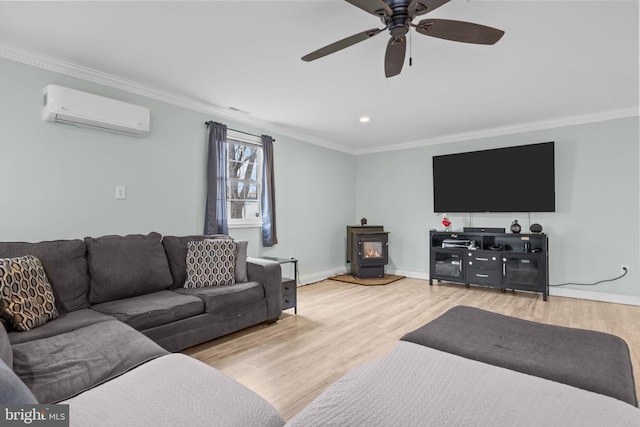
(535, 228)
(483, 229)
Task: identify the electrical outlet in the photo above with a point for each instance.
(624, 268)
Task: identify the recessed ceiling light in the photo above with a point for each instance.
(365, 119)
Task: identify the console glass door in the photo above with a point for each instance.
(448, 264)
(522, 271)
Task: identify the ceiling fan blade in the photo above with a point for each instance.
(420, 7)
(394, 58)
(341, 44)
(374, 7)
(459, 31)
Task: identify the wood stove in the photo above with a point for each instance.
(367, 250)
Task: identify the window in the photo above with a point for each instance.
(244, 180)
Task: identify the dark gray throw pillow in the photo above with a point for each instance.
(126, 266)
(12, 390)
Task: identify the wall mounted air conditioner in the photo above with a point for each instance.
(74, 107)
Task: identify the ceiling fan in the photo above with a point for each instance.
(397, 16)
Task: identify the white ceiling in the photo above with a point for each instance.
(559, 62)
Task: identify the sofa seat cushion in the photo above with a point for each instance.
(126, 266)
(146, 311)
(64, 365)
(64, 323)
(65, 263)
(218, 298)
(185, 391)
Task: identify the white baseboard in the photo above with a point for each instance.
(595, 296)
(316, 277)
(408, 273)
(321, 275)
(554, 291)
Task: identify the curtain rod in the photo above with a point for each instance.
(239, 131)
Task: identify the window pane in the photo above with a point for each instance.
(244, 209)
(236, 208)
(242, 170)
(253, 192)
(243, 185)
(235, 189)
(252, 209)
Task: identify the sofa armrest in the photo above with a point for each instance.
(269, 274)
(6, 354)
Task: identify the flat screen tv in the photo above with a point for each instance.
(511, 179)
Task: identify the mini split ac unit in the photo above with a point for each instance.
(70, 106)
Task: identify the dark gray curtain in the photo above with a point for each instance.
(215, 219)
(269, 235)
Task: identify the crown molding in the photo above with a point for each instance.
(509, 130)
(105, 79)
(88, 74)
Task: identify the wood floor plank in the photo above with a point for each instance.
(340, 326)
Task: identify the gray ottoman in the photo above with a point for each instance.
(589, 360)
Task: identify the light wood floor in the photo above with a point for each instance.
(340, 326)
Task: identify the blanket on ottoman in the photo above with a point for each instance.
(418, 386)
(590, 360)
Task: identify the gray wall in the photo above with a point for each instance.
(59, 181)
(315, 201)
(593, 231)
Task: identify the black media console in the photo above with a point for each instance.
(498, 260)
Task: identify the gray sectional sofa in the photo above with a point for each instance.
(122, 307)
(121, 302)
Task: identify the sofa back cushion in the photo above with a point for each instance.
(65, 264)
(176, 249)
(126, 266)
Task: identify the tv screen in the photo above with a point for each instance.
(512, 179)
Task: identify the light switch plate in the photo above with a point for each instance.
(121, 192)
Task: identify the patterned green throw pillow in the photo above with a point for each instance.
(210, 263)
(26, 297)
